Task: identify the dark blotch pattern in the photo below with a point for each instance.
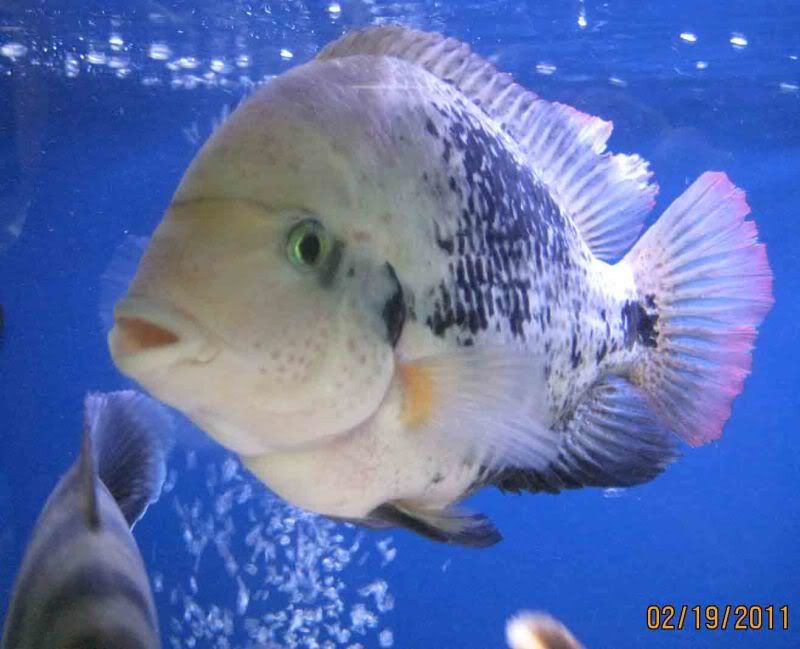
(639, 325)
(394, 311)
(506, 235)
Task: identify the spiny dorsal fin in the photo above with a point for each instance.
(131, 435)
(86, 470)
(607, 196)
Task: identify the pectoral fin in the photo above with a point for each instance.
(488, 403)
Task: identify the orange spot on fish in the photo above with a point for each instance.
(418, 395)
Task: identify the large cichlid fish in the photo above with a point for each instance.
(393, 276)
(82, 583)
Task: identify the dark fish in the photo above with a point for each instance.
(83, 583)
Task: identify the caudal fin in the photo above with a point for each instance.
(702, 270)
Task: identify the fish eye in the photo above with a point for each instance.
(308, 244)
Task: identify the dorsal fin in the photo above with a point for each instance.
(607, 196)
(132, 435)
(87, 473)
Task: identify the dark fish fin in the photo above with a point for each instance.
(709, 284)
(87, 473)
(132, 436)
(444, 525)
(614, 439)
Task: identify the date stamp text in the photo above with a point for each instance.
(718, 617)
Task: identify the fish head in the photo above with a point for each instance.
(266, 306)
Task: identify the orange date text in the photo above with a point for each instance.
(718, 617)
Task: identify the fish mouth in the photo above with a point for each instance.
(150, 335)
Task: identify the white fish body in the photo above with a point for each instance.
(386, 281)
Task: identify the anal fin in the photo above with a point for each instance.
(613, 439)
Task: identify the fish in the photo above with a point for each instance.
(82, 582)
(538, 630)
(394, 277)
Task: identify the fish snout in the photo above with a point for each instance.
(149, 335)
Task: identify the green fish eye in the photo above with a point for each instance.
(308, 244)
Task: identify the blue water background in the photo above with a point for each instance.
(721, 526)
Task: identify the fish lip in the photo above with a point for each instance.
(192, 344)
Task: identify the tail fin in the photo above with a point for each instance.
(711, 283)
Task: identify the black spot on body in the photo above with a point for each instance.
(601, 353)
(431, 128)
(448, 150)
(394, 310)
(575, 356)
(638, 325)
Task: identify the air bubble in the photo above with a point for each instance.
(93, 57)
(218, 65)
(159, 51)
(273, 576)
(13, 51)
(116, 42)
(545, 68)
(739, 41)
(188, 62)
(72, 66)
